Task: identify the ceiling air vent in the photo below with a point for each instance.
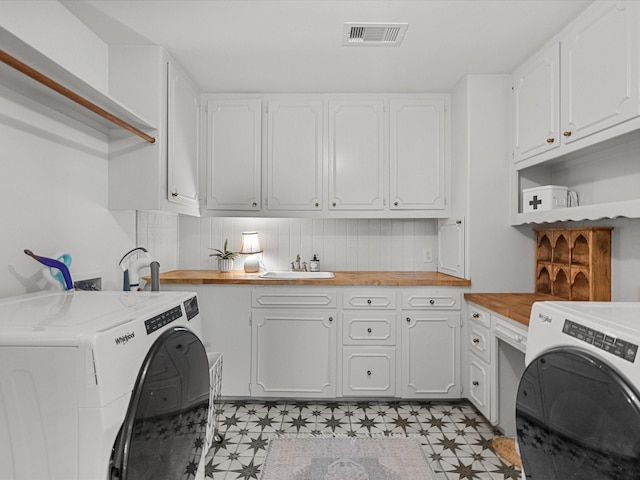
(374, 34)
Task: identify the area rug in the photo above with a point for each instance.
(506, 450)
(358, 458)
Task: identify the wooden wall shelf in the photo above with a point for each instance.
(62, 91)
(574, 263)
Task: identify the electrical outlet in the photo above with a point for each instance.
(427, 255)
(89, 284)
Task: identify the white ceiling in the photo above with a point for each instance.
(296, 45)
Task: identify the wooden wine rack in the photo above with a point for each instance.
(574, 263)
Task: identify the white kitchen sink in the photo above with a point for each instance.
(282, 275)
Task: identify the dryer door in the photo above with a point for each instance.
(163, 434)
(577, 419)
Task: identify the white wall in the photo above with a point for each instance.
(500, 258)
(54, 170)
(341, 244)
(54, 31)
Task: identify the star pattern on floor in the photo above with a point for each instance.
(455, 438)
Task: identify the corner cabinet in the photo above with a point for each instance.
(234, 154)
(328, 155)
(577, 116)
(163, 175)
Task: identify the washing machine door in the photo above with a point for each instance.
(163, 434)
(577, 419)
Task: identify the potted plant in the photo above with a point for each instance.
(225, 257)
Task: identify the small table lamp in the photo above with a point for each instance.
(251, 245)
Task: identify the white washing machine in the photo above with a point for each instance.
(578, 406)
(102, 385)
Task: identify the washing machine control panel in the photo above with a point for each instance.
(613, 345)
(165, 318)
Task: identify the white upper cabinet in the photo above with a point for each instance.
(327, 155)
(294, 155)
(356, 155)
(234, 154)
(600, 85)
(585, 82)
(577, 117)
(183, 127)
(417, 154)
(536, 100)
(162, 175)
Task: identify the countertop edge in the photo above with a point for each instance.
(342, 278)
(515, 306)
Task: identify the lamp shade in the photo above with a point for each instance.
(250, 243)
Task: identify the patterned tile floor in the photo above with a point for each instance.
(454, 436)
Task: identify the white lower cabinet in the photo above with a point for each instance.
(314, 342)
(479, 347)
(369, 332)
(430, 354)
(294, 353)
(480, 385)
(294, 333)
(430, 338)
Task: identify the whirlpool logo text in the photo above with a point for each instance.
(124, 338)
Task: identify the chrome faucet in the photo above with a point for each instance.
(297, 267)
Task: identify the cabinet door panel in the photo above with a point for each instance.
(479, 386)
(600, 70)
(369, 372)
(417, 154)
(182, 139)
(356, 155)
(451, 247)
(294, 159)
(294, 353)
(536, 101)
(234, 158)
(430, 355)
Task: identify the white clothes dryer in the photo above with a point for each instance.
(578, 406)
(102, 385)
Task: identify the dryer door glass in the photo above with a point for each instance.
(163, 435)
(577, 418)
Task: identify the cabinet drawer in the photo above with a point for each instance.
(479, 315)
(369, 372)
(511, 332)
(479, 343)
(381, 300)
(430, 300)
(363, 328)
(276, 297)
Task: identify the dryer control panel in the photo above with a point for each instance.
(165, 318)
(615, 346)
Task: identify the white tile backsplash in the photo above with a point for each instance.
(158, 233)
(341, 244)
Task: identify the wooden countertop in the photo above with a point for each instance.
(516, 306)
(238, 277)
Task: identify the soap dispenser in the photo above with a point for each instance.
(314, 263)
